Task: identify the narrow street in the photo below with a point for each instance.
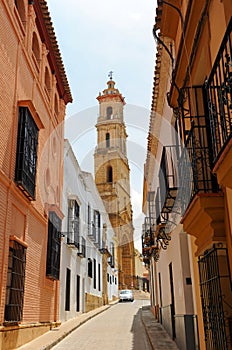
(119, 327)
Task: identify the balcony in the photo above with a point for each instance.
(97, 242)
(82, 248)
(92, 231)
(199, 195)
(111, 261)
(73, 233)
(196, 160)
(195, 166)
(168, 177)
(148, 235)
(219, 96)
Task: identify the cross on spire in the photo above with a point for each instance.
(110, 75)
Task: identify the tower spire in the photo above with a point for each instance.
(110, 75)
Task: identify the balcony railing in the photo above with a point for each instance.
(168, 177)
(195, 166)
(82, 248)
(196, 161)
(73, 237)
(219, 96)
(92, 231)
(97, 242)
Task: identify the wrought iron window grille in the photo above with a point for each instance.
(26, 156)
(53, 246)
(73, 234)
(216, 297)
(15, 283)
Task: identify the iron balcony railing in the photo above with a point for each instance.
(92, 231)
(160, 217)
(148, 232)
(219, 96)
(97, 242)
(82, 247)
(196, 160)
(73, 236)
(195, 166)
(168, 177)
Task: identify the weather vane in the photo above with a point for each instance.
(110, 75)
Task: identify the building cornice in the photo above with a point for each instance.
(47, 34)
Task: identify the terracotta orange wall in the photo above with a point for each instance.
(21, 81)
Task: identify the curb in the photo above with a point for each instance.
(58, 340)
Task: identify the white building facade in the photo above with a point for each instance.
(88, 244)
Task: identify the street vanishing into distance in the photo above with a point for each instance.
(124, 331)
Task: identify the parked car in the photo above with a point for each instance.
(126, 295)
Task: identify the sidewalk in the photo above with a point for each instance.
(54, 336)
(158, 337)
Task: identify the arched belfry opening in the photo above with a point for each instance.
(109, 174)
(109, 112)
(107, 140)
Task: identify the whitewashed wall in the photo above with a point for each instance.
(80, 186)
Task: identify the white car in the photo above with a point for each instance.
(126, 295)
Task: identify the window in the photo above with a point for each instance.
(53, 247)
(107, 140)
(89, 219)
(109, 112)
(94, 274)
(90, 268)
(111, 258)
(26, 157)
(109, 174)
(99, 277)
(15, 282)
(73, 223)
(215, 287)
(97, 225)
(67, 290)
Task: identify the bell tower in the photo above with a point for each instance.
(112, 177)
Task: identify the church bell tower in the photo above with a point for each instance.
(112, 177)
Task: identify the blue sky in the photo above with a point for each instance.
(96, 37)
